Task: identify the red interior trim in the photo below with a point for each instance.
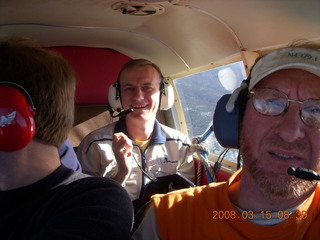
(96, 69)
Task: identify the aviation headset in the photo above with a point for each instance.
(228, 116)
(166, 96)
(17, 124)
(230, 108)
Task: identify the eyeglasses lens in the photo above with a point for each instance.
(272, 102)
(310, 113)
(269, 101)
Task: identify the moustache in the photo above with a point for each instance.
(300, 145)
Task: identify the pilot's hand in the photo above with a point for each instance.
(122, 148)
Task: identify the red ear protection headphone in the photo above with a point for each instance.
(17, 124)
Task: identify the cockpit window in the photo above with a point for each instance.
(199, 93)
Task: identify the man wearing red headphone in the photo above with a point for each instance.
(137, 148)
(39, 197)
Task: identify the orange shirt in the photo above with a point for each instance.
(206, 212)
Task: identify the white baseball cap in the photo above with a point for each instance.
(285, 58)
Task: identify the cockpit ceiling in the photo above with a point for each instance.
(178, 35)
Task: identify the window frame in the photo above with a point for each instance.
(179, 114)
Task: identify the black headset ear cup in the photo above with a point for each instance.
(226, 125)
(114, 96)
(167, 96)
(17, 124)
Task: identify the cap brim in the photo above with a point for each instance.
(285, 58)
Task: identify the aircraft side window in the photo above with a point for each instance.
(198, 106)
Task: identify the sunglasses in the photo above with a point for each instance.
(272, 102)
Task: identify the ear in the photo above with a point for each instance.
(227, 121)
(17, 124)
(167, 96)
(114, 96)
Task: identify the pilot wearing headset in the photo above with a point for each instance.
(137, 148)
(274, 119)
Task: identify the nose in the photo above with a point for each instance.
(290, 127)
(138, 94)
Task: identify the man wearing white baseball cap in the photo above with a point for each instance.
(275, 195)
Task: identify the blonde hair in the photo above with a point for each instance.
(138, 63)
